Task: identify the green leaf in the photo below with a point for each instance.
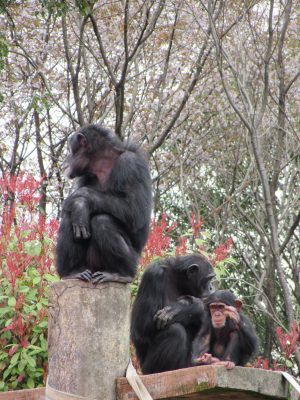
(51, 278)
(30, 383)
(22, 364)
(14, 384)
(14, 359)
(32, 272)
(36, 280)
(44, 344)
(6, 373)
(38, 374)
(32, 294)
(43, 324)
(289, 363)
(44, 301)
(218, 274)
(12, 302)
(33, 347)
(34, 352)
(4, 311)
(30, 360)
(199, 242)
(3, 355)
(33, 248)
(206, 234)
(24, 289)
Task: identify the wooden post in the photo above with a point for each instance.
(88, 337)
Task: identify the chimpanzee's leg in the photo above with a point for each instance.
(170, 349)
(111, 256)
(71, 253)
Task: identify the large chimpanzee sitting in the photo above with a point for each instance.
(167, 312)
(220, 340)
(105, 221)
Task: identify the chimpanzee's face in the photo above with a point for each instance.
(200, 274)
(217, 313)
(78, 159)
(206, 285)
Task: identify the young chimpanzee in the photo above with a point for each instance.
(105, 221)
(220, 340)
(167, 312)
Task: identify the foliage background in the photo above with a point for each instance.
(209, 88)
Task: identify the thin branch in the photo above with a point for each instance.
(102, 51)
(290, 233)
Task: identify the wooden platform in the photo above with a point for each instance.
(27, 394)
(212, 383)
(202, 383)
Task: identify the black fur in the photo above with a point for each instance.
(105, 221)
(167, 312)
(230, 343)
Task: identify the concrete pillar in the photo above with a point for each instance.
(88, 337)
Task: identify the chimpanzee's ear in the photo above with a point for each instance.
(81, 140)
(238, 304)
(191, 271)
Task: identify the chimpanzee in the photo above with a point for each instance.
(105, 221)
(167, 312)
(220, 340)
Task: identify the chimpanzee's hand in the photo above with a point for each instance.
(187, 300)
(232, 313)
(227, 364)
(206, 359)
(81, 231)
(186, 309)
(165, 316)
(77, 206)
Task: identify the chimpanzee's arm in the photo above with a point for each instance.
(79, 211)
(249, 341)
(127, 194)
(232, 348)
(187, 311)
(150, 298)
(126, 197)
(201, 343)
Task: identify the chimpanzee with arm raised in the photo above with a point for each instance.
(226, 336)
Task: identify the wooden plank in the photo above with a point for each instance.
(27, 394)
(170, 384)
(209, 382)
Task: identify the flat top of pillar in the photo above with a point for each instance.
(70, 282)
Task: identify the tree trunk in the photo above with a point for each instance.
(88, 338)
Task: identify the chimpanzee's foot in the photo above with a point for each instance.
(102, 276)
(85, 276)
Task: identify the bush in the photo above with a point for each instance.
(26, 268)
